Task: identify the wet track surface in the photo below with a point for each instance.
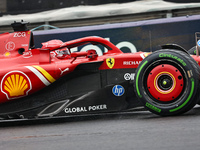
(138, 130)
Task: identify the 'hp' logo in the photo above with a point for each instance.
(118, 90)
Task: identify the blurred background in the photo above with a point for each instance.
(31, 6)
(65, 13)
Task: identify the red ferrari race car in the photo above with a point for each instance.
(51, 81)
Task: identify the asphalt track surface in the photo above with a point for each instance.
(139, 130)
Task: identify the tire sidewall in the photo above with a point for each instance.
(185, 102)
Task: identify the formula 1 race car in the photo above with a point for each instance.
(52, 82)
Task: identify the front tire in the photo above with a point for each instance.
(167, 82)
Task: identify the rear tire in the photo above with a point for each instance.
(167, 82)
(193, 51)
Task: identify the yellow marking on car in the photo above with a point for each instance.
(45, 73)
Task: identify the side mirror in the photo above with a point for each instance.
(92, 54)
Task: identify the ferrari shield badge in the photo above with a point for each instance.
(110, 62)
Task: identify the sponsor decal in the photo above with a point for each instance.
(190, 74)
(143, 55)
(129, 63)
(7, 54)
(173, 57)
(10, 46)
(15, 84)
(85, 109)
(118, 90)
(19, 34)
(60, 62)
(110, 62)
(129, 76)
(62, 71)
(153, 107)
(24, 45)
(75, 110)
(42, 74)
(27, 54)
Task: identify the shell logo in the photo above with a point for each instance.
(15, 84)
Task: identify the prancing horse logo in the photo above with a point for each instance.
(110, 62)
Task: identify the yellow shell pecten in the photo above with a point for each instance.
(15, 85)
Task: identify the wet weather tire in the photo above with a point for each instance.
(167, 82)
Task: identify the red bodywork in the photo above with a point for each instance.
(197, 58)
(25, 70)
